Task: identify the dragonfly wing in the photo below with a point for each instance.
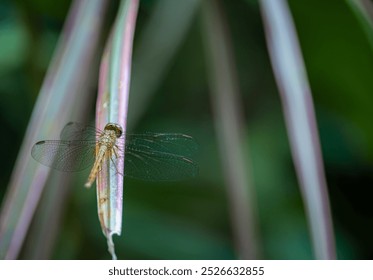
(160, 157)
(172, 143)
(68, 156)
(76, 131)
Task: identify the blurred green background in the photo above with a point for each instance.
(190, 219)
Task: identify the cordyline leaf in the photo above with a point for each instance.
(157, 45)
(300, 119)
(363, 10)
(228, 122)
(58, 101)
(112, 105)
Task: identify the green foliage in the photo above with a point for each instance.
(339, 64)
(190, 219)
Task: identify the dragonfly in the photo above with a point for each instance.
(147, 156)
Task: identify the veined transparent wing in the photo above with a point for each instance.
(63, 155)
(160, 156)
(149, 156)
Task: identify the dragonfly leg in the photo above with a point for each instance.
(114, 165)
(115, 151)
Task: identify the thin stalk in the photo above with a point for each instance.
(300, 120)
(49, 214)
(230, 130)
(112, 106)
(363, 10)
(54, 107)
(157, 45)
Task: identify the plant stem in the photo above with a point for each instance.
(230, 131)
(300, 119)
(112, 106)
(158, 43)
(56, 103)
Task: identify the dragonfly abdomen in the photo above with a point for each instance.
(98, 162)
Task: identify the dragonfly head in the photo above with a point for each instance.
(115, 127)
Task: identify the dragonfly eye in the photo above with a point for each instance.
(116, 127)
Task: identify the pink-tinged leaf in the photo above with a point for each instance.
(112, 105)
(300, 120)
(61, 98)
(230, 131)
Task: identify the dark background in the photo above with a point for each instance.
(190, 219)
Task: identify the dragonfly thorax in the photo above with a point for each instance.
(107, 139)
